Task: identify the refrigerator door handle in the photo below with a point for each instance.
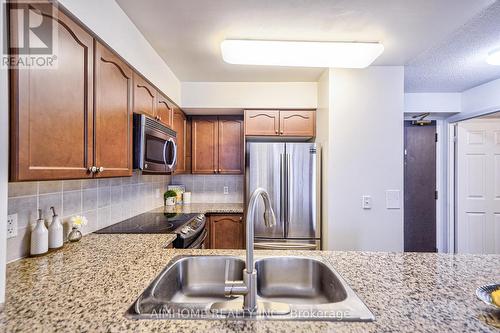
(282, 188)
(289, 191)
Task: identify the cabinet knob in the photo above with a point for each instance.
(220, 170)
(241, 218)
(92, 169)
(281, 132)
(100, 169)
(277, 131)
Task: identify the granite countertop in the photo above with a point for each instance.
(205, 208)
(87, 286)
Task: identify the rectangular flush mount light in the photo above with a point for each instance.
(302, 54)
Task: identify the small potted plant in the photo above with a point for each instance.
(169, 198)
(76, 222)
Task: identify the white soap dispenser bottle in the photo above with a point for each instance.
(56, 231)
(39, 237)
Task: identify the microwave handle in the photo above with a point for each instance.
(175, 153)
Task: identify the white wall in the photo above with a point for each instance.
(433, 102)
(366, 158)
(323, 134)
(107, 20)
(219, 95)
(4, 161)
(485, 97)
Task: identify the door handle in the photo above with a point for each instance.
(282, 188)
(285, 246)
(175, 153)
(289, 189)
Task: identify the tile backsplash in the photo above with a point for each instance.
(210, 188)
(103, 202)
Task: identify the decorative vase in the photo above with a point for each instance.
(75, 235)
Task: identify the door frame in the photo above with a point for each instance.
(450, 169)
(441, 172)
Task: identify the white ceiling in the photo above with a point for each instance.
(459, 62)
(187, 33)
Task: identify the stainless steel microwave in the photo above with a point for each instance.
(155, 146)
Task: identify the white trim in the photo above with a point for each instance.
(469, 115)
(450, 191)
(441, 245)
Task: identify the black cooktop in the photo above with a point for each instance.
(149, 223)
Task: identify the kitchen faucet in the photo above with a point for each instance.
(248, 287)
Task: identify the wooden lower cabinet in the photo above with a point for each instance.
(226, 231)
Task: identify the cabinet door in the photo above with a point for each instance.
(113, 114)
(179, 126)
(144, 97)
(261, 122)
(297, 123)
(231, 145)
(164, 111)
(226, 231)
(205, 144)
(51, 109)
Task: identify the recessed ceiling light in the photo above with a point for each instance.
(302, 54)
(494, 58)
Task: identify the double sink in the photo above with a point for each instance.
(299, 288)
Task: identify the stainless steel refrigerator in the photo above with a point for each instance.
(291, 173)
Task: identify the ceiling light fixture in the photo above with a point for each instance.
(494, 58)
(302, 54)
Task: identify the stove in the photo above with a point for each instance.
(190, 228)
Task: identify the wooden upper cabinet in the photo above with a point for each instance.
(226, 231)
(297, 123)
(293, 123)
(205, 137)
(231, 134)
(179, 126)
(164, 110)
(144, 97)
(51, 109)
(261, 122)
(113, 114)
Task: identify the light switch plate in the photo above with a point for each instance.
(393, 199)
(226, 189)
(366, 202)
(12, 226)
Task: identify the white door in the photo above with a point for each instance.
(478, 186)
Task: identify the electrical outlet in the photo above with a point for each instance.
(226, 189)
(12, 226)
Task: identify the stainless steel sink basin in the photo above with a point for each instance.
(190, 285)
(294, 280)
